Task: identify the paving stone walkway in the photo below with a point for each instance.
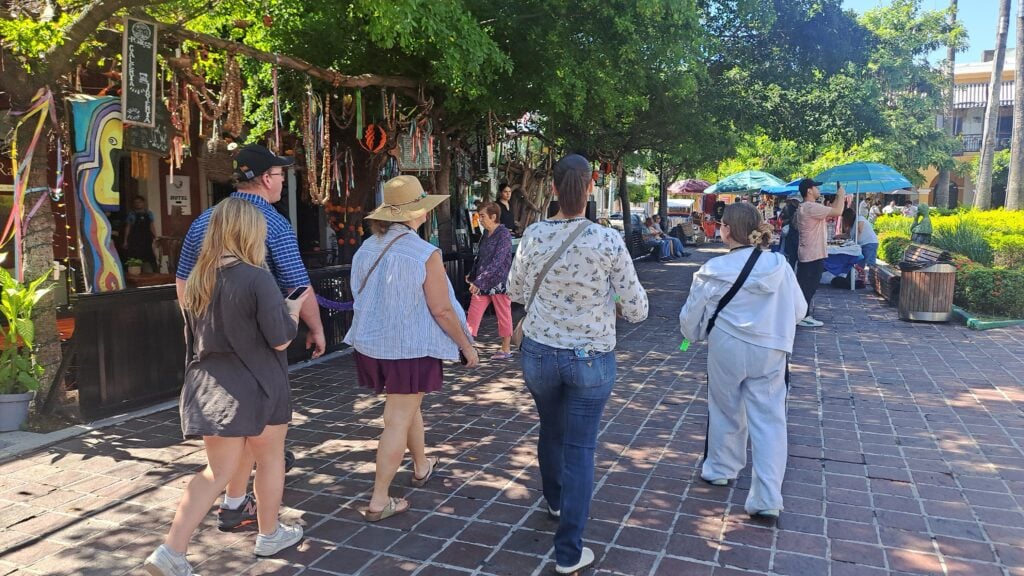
(906, 457)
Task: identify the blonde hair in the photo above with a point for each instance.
(236, 228)
(746, 225)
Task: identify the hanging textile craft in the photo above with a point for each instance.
(97, 147)
(41, 107)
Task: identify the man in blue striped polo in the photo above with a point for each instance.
(258, 178)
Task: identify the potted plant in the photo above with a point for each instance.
(134, 266)
(19, 372)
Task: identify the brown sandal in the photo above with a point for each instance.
(421, 482)
(393, 507)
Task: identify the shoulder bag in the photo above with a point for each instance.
(517, 334)
(377, 261)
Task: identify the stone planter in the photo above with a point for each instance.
(14, 410)
(134, 270)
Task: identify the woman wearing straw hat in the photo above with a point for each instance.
(406, 320)
(573, 276)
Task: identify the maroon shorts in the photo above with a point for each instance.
(405, 376)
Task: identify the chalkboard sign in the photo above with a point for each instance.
(156, 139)
(138, 73)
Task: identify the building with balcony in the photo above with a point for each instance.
(970, 98)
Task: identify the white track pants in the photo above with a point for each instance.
(747, 390)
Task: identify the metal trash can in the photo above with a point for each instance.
(926, 286)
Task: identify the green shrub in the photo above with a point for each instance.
(959, 294)
(963, 236)
(1009, 250)
(992, 291)
(891, 246)
(893, 223)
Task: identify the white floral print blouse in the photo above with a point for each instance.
(575, 306)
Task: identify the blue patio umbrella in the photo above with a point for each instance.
(863, 178)
(746, 181)
(783, 190)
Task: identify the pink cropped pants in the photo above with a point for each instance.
(502, 309)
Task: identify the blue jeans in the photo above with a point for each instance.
(678, 244)
(664, 250)
(570, 393)
(870, 252)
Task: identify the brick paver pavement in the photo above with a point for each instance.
(906, 458)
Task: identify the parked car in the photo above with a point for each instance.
(615, 220)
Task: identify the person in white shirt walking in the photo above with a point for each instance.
(749, 338)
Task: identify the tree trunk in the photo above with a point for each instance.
(37, 246)
(442, 185)
(627, 221)
(663, 196)
(942, 198)
(983, 194)
(1015, 185)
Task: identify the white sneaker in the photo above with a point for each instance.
(283, 537)
(810, 322)
(554, 514)
(164, 562)
(586, 559)
(716, 481)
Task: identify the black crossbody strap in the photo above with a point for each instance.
(754, 255)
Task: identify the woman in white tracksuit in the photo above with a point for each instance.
(747, 354)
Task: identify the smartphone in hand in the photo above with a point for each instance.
(297, 293)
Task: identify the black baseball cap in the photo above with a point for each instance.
(253, 160)
(806, 184)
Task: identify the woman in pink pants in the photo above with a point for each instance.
(488, 277)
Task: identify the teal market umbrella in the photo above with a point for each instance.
(863, 178)
(741, 182)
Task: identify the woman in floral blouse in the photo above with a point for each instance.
(569, 346)
(487, 280)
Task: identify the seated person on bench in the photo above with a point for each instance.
(678, 244)
(652, 240)
(672, 247)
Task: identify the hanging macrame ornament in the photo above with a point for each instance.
(374, 139)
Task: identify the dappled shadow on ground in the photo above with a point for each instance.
(905, 453)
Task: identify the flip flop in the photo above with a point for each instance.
(421, 482)
(393, 507)
(501, 356)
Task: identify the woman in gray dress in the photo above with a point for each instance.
(236, 395)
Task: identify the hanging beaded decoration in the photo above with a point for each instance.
(231, 95)
(317, 142)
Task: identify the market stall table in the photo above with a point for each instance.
(841, 259)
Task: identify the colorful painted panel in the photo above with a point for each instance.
(97, 136)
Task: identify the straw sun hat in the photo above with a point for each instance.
(404, 199)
